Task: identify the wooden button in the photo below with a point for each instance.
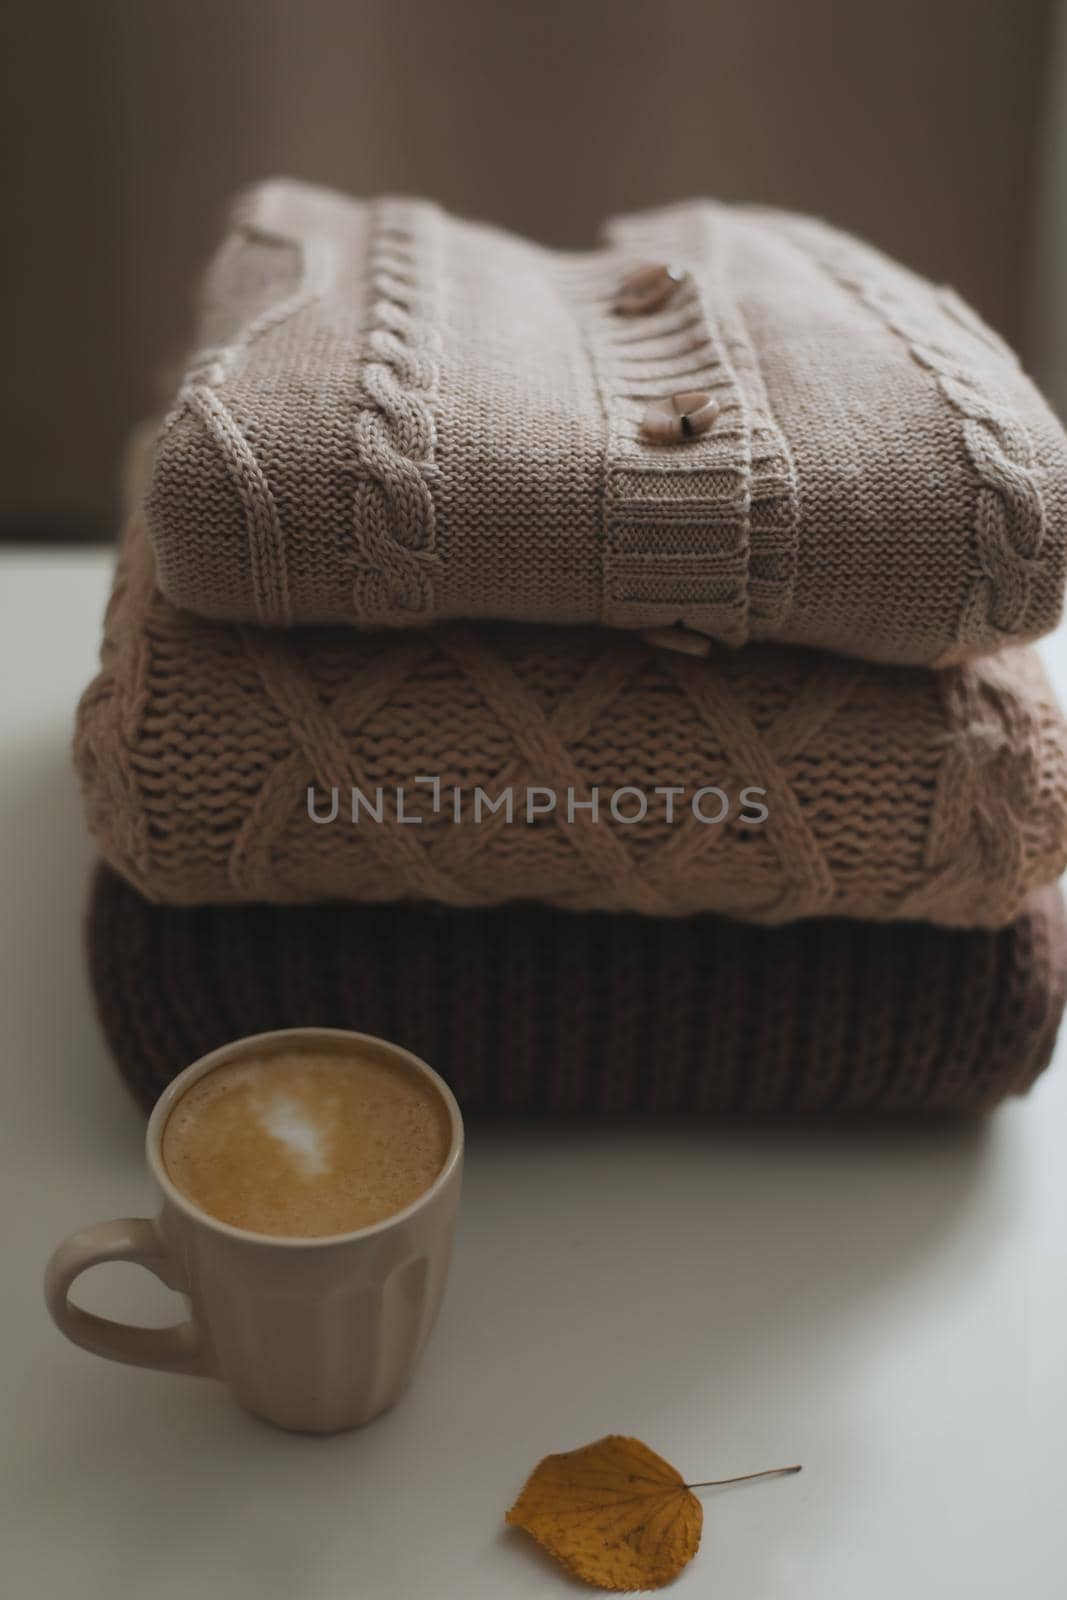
(679, 417)
(648, 288)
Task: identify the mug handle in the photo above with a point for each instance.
(176, 1349)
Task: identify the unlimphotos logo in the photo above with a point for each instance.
(626, 805)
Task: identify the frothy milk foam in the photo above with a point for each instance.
(306, 1142)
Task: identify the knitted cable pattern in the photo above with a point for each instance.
(418, 418)
(393, 509)
(527, 1009)
(892, 793)
(1010, 520)
(201, 396)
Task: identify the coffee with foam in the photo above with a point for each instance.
(306, 1142)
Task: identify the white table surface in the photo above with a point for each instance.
(887, 1306)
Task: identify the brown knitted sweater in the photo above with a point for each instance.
(525, 1008)
(893, 793)
(393, 416)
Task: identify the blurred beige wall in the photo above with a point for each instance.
(1044, 309)
(126, 123)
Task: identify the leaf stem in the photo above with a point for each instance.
(744, 1477)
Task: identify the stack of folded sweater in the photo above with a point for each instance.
(605, 674)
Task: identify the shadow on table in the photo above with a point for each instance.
(68, 1080)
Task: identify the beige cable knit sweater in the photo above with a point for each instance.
(393, 417)
(892, 792)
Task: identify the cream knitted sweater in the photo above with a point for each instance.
(892, 793)
(393, 417)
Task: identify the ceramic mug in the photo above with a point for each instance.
(314, 1334)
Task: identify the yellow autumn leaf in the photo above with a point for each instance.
(614, 1513)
